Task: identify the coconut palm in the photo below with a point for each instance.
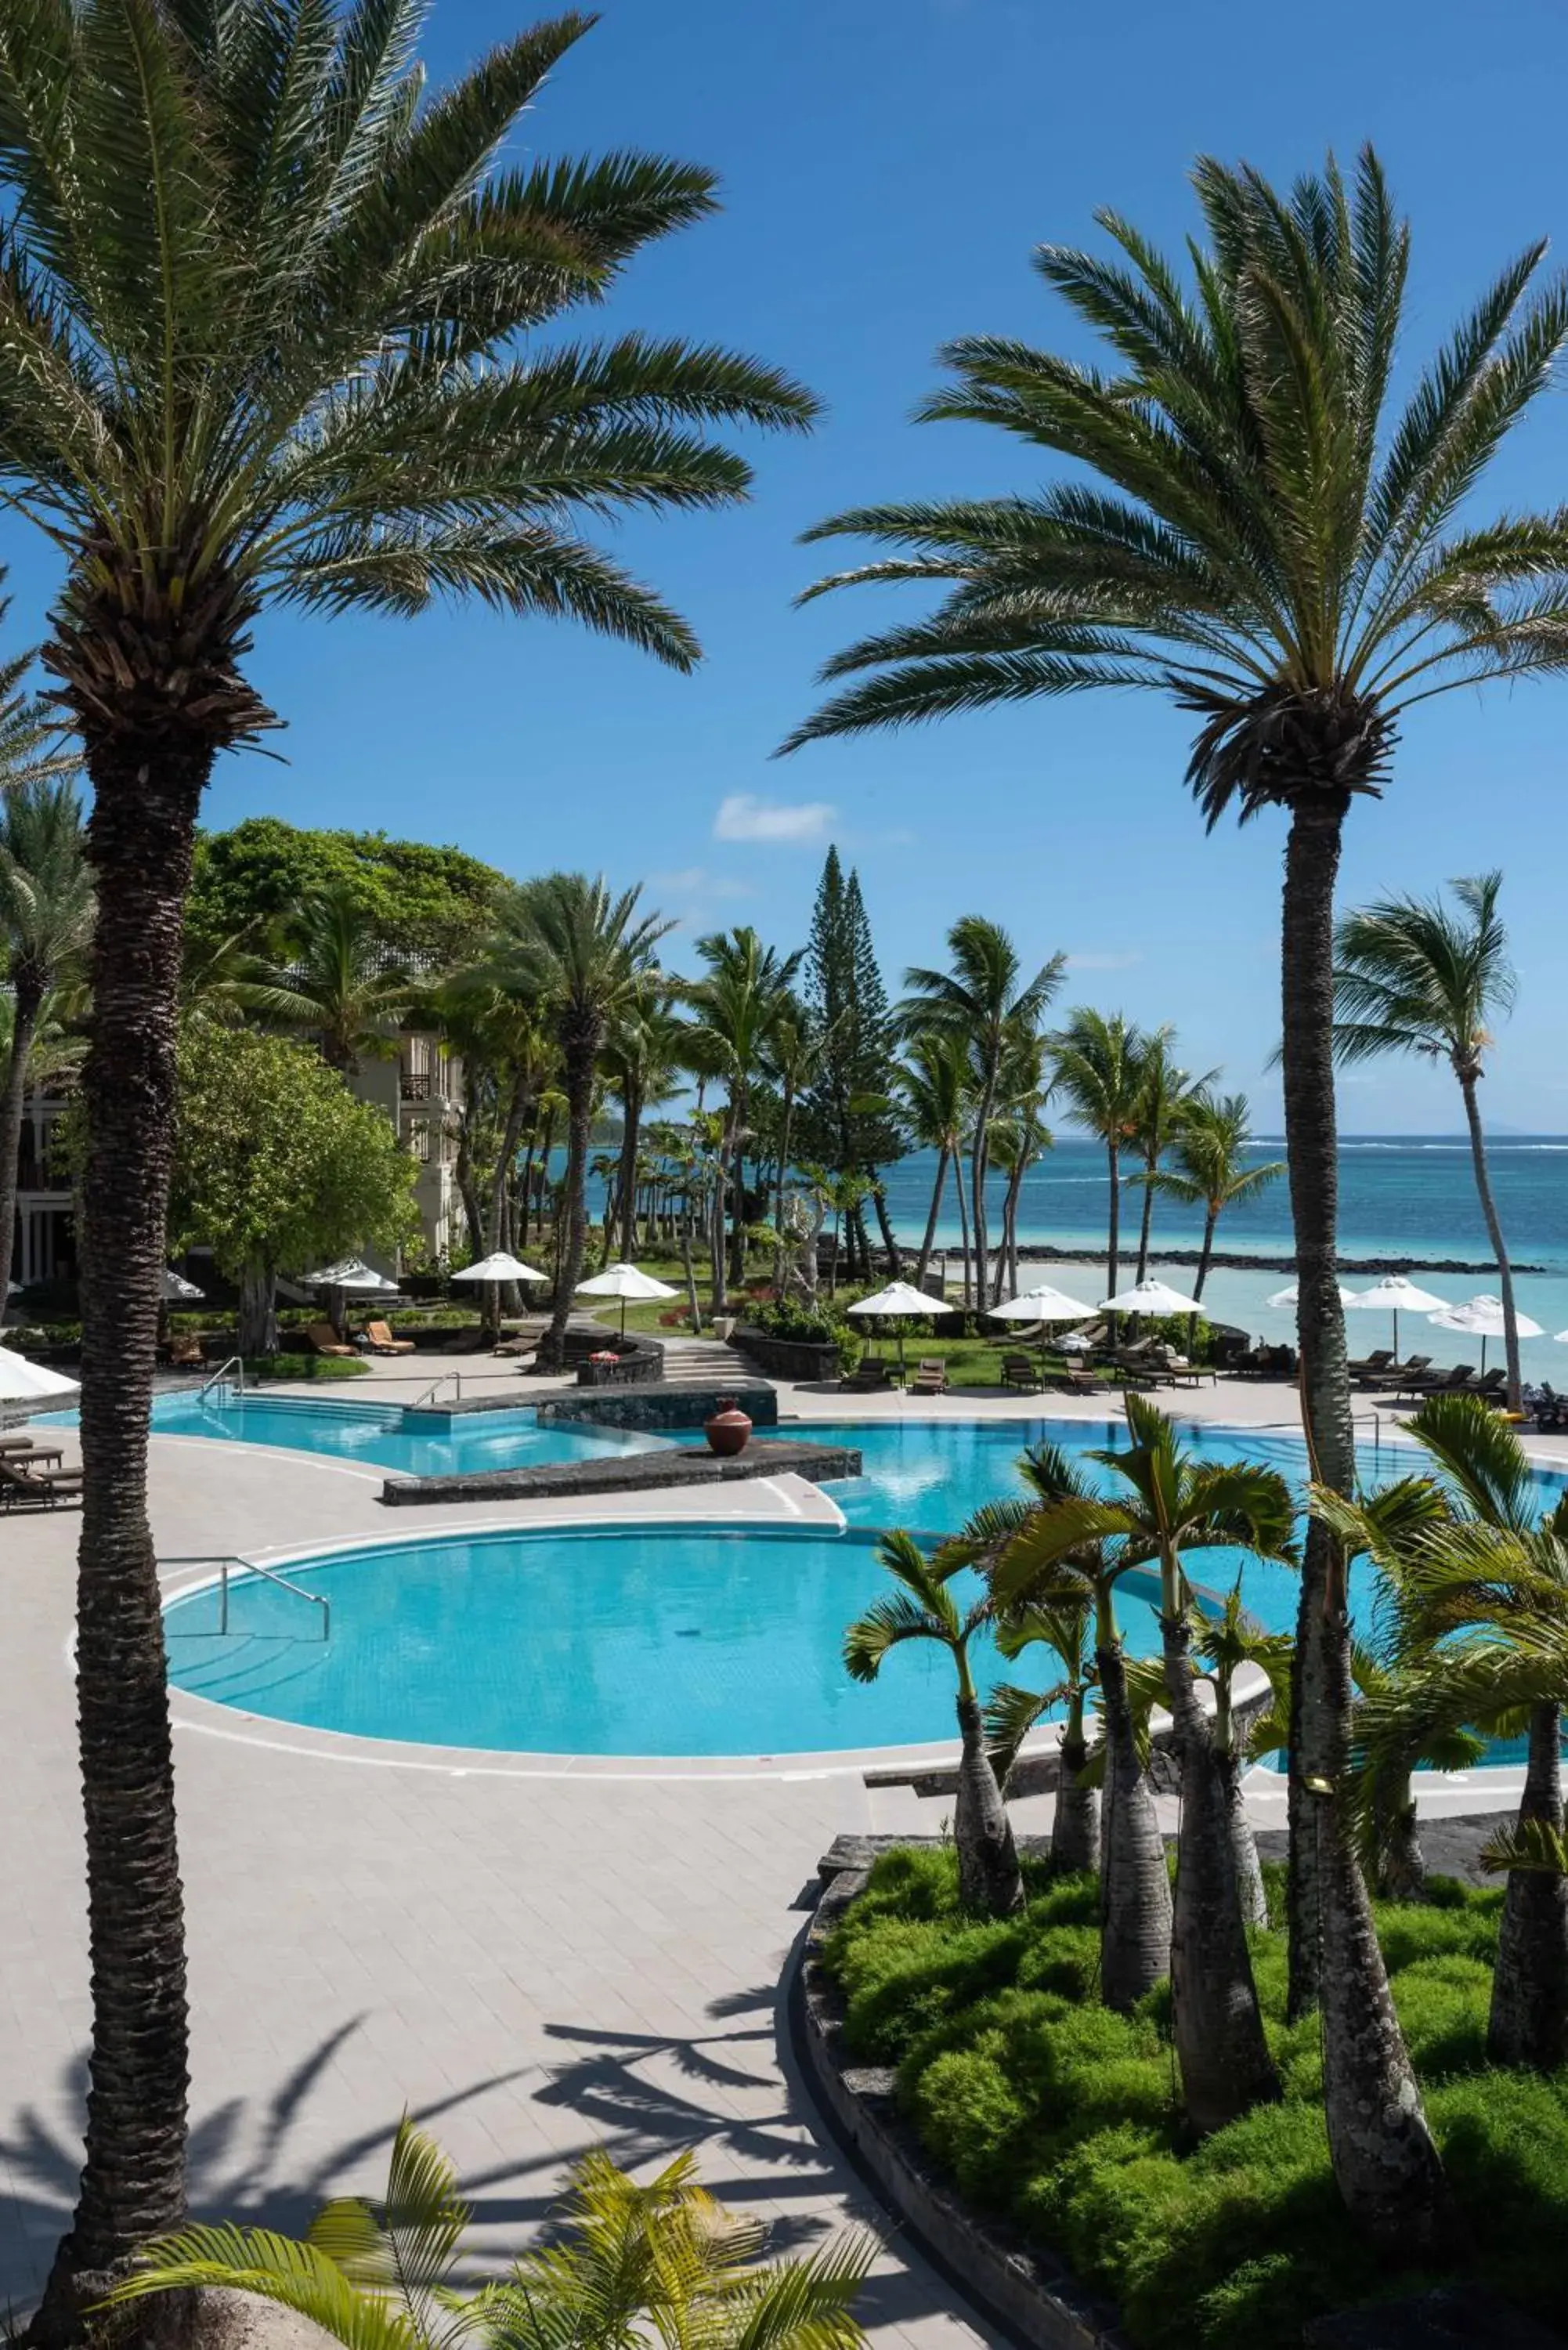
(792, 1057)
(1099, 1074)
(935, 1087)
(1412, 975)
(1163, 1101)
(643, 1058)
(1064, 1628)
(628, 2265)
(260, 294)
(1166, 1502)
(1264, 541)
(337, 981)
(735, 1008)
(924, 1608)
(1034, 1568)
(1209, 1172)
(46, 920)
(1019, 1135)
(583, 956)
(984, 1002)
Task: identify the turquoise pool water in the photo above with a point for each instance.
(634, 1641)
(387, 1437)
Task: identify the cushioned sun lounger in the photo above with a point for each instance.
(324, 1339)
(382, 1341)
(42, 1487)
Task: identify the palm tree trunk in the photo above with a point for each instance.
(1401, 1864)
(719, 1301)
(1134, 1890)
(1206, 1252)
(28, 1005)
(526, 1193)
(1528, 2021)
(1075, 1824)
(980, 1154)
(1384, 2162)
(1114, 1234)
(467, 1189)
(696, 1311)
(1147, 1222)
(140, 840)
(989, 1880)
(889, 1245)
(631, 1129)
(1007, 1255)
(963, 1234)
(257, 1327)
(785, 1140)
(924, 1265)
(1216, 2024)
(1244, 1843)
(579, 1052)
(1494, 1233)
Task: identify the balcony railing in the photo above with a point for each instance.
(417, 1086)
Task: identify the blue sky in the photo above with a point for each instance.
(886, 167)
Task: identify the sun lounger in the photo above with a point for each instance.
(185, 1352)
(930, 1377)
(42, 1487)
(1427, 1383)
(1374, 1366)
(1072, 1381)
(324, 1339)
(14, 1444)
(1020, 1371)
(382, 1341)
(1490, 1385)
(872, 1377)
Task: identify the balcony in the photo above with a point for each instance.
(416, 1086)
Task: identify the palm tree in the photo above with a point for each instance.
(1100, 1062)
(981, 1003)
(792, 1055)
(1166, 1503)
(262, 293)
(934, 1083)
(643, 1056)
(1411, 976)
(337, 980)
(1210, 1138)
(736, 1007)
(924, 1608)
(1477, 1597)
(1221, 1645)
(1263, 542)
(1162, 1105)
(1064, 1627)
(1033, 1568)
(583, 956)
(1019, 1135)
(46, 920)
(630, 2263)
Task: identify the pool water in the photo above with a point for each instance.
(385, 1436)
(694, 1641)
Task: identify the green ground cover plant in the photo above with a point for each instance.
(1049, 2110)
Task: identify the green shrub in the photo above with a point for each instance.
(305, 1366)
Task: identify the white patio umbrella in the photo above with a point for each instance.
(1041, 1305)
(1482, 1317)
(1149, 1296)
(175, 1290)
(351, 1274)
(1291, 1296)
(626, 1281)
(901, 1302)
(492, 1271)
(1394, 1294)
(21, 1381)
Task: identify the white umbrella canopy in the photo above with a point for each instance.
(1041, 1305)
(499, 1267)
(21, 1381)
(1291, 1296)
(353, 1274)
(1149, 1297)
(626, 1281)
(175, 1290)
(1483, 1318)
(901, 1302)
(1394, 1294)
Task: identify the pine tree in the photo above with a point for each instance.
(844, 990)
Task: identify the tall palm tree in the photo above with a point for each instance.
(584, 957)
(1165, 1504)
(337, 980)
(735, 1008)
(935, 1085)
(1262, 541)
(46, 922)
(1210, 1138)
(923, 1609)
(1411, 976)
(643, 1056)
(1162, 1104)
(981, 1001)
(1019, 1135)
(261, 296)
(793, 1053)
(1100, 1063)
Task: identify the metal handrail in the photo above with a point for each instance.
(434, 1390)
(234, 1363)
(226, 1560)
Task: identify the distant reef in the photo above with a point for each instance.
(1043, 1253)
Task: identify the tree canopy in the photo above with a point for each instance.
(424, 901)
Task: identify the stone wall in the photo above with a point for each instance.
(663, 1406)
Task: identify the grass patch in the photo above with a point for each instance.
(1046, 2108)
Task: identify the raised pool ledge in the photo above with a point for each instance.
(671, 1468)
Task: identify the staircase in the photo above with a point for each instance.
(704, 1363)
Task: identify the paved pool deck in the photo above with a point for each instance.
(533, 1961)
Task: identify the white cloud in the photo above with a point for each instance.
(1103, 961)
(742, 817)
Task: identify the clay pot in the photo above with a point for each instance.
(728, 1429)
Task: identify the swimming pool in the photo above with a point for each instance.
(385, 1436)
(631, 1642)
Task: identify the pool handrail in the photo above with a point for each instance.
(215, 1378)
(224, 1561)
(434, 1390)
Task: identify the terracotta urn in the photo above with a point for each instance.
(728, 1429)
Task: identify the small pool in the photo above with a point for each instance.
(646, 1641)
(385, 1436)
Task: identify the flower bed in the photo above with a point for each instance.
(1047, 2109)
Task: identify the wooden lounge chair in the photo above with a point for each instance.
(872, 1376)
(1490, 1385)
(382, 1342)
(42, 1487)
(185, 1352)
(1020, 1371)
(14, 1444)
(1372, 1369)
(1426, 1383)
(1073, 1381)
(325, 1339)
(930, 1377)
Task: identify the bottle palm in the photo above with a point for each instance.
(46, 922)
(631, 2266)
(981, 1002)
(1064, 1627)
(1412, 975)
(263, 292)
(583, 956)
(924, 1608)
(1264, 539)
(1210, 1172)
(1099, 1074)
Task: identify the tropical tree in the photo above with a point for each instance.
(1261, 540)
(1221, 1645)
(1099, 1074)
(629, 2265)
(1064, 1628)
(643, 1056)
(923, 1607)
(1412, 975)
(845, 1122)
(935, 1087)
(46, 920)
(982, 1002)
(1210, 1138)
(1166, 1502)
(260, 295)
(735, 1008)
(1163, 1100)
(1019, 1135)
(584, 957)
(336, 981)
(793, 1054)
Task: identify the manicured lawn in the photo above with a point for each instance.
(1044, 2105)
